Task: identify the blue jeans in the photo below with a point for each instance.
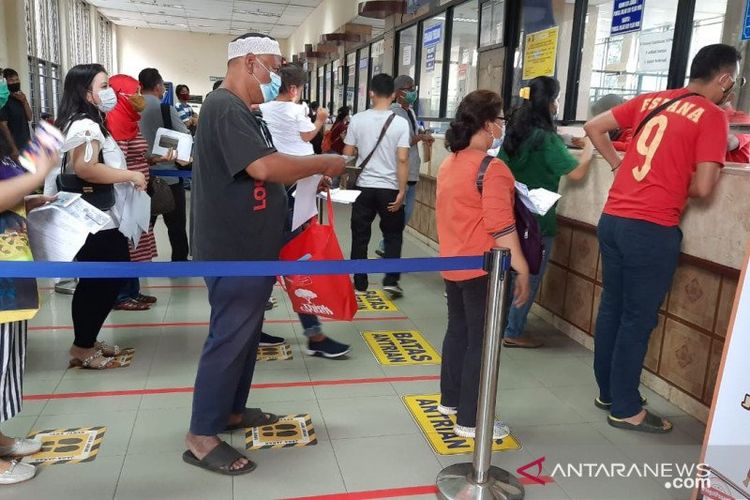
(411, 196)
(130, 289)
(517, 316)
(639, 260)
(311, 324)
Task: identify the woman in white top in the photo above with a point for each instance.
(86, 99)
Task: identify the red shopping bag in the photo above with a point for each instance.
(330, 296)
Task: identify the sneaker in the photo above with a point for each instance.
(380, 253)
(395, 291)
(66, 287)
(328, 348)
(267, 340)
(270, 304)
(499, 431)
(447, 410)
(18, 472)
(145, 299)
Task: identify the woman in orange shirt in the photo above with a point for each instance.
(470, 223)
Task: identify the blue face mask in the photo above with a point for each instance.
(271, 89)
(4, 92)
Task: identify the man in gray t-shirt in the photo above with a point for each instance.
(154, 117)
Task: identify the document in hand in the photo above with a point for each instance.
(343, 196)
(538, 200)
(167, 139)
(58, 230)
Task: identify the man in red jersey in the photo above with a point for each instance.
(678, 148)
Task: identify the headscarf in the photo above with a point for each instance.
(122, 121)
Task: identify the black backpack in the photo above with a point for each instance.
(527, 226)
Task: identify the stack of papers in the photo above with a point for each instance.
(538, 200)
(343, 196)
(167, 140)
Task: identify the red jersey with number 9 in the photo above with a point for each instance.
(654, 177)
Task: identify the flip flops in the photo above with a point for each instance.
(253, 417)
(651, 424)
(220, 460)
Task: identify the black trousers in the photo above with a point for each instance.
(462, 347)
(94, 297)
(372, 202)
(176, 222)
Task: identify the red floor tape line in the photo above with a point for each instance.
(205, 323)
(364, 495)
(275, 385)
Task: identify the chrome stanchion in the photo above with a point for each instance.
(480, 479)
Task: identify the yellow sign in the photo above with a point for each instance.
(401, 347)
(375, 300)
(540, 53)
(67, 446)
(438, 429)
(274, 353)
(291, 431)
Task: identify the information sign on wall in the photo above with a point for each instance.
(627, 17)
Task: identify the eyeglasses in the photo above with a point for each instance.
(503, 119)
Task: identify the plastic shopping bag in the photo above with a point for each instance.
(330, 296)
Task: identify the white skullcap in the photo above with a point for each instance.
(253, 45)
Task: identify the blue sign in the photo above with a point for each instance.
(746, 24)
(363, 63)
(432, 35)
(430, 59)
(627, 17)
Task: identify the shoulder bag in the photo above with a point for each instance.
(352, 173)
(102, 196)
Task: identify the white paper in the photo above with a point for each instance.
(58, 230)
(538, 200)
(167, 139)
(343, 196)
(304, 200)
(406, 58)
(136, 214)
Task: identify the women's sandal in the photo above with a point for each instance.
(220, 460)
(18, 472)
(608, 406)
(97, 361)
(145, 299)
(131, 305)
(651, 424)
(111, 350)
(21, 447)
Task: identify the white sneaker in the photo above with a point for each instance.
(20, 448)
(499, 431)
(447, 410)
(17, 473)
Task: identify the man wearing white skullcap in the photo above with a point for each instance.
(239, 208)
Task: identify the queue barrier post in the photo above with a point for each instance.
(481, 480)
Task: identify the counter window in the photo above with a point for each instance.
(338, 86)
(327, 100)
(625, 64)
(462, 77)
(406, 59)
(363, 85)
(321, 87)
(431, 66)
(377, 54)
(351, 78)
(493, 19)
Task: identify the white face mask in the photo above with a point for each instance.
(108, 100)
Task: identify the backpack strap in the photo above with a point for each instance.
(166, 116)
(659, 109)
(482, 171)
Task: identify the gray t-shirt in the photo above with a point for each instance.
(364, 130)
(414, 160)
(233, 216)
(151, 121)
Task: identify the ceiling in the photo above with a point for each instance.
(278, 18)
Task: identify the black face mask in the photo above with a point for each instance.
(14, 87)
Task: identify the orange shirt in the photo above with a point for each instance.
(467, 222)
(654, 177)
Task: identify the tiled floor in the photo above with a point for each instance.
(367, 440)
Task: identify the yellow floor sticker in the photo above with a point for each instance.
(275, 353)
(401, 347)
(438, 429)
(67, 446)
(375, 301)
(291, 431)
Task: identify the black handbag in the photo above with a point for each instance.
(102, 196)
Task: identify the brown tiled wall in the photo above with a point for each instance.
(686, 346)
(423, 217)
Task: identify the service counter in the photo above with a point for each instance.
(685, 349)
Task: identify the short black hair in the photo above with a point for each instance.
(9, 73)
(217, 84)
(180, 88)
(712, 60)
(382, 85)
(150, 78)
(292, 74)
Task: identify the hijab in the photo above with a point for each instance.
(122, 121)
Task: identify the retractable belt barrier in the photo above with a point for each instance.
(233, 268)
